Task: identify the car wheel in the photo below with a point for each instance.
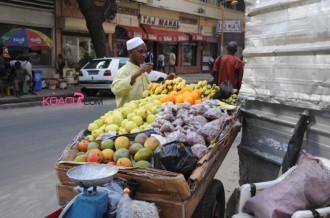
(160, 80)
(89, 92)
(212, 204)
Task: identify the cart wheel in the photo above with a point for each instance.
(212, 204)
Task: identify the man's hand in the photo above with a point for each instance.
(146, 67)
(170, 76)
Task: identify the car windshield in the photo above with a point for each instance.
(98, 64)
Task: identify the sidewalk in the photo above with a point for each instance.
(28, 99)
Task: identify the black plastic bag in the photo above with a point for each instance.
(176, 157)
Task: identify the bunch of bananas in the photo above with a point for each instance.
(225, 106)
(233, 99)
(176, 84)
(206, 90)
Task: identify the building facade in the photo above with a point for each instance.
(189, 28)
(38, 15)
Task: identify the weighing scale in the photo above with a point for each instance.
(89, 203)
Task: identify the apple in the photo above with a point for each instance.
(142, 112)
(137, 129)
(92, 127)
(130, 125)
(99, 122)
(110, 120)
(150, 118)
(111, 127)
(130, 116)
(122, 131)
(97, 132)
(137, 120)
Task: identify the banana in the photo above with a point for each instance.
(225, 106)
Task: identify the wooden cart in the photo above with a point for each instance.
(199, 196)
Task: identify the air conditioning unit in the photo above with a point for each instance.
(214, 29)
(201, 10)
(150, 1)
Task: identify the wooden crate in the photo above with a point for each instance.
(175, 196)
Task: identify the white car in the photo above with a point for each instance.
(98, 74)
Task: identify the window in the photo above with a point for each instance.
(75, 48)
(167, 48)
(189, 54)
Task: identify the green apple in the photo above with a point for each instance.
(130, 125)
(122, 131)
(137, 120)
(107, 143)
(130, 116)
(137, 129)
(142, 112)
(111, 127)
(99, 122)
(150, 118)
(97, 132)
(92, 127)
(110, 120)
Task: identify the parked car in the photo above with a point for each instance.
(98, 74)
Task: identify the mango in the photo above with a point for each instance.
(151, 143)
(81, 158)
(142, 164)
(141, 138)
(122, 152)
(143, 154)
(134, 148)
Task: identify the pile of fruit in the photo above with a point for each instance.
(179, 84)
(133, 117)
(120, 152)
(178, 100)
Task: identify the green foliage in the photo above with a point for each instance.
(83, 61)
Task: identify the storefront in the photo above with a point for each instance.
(15, 16)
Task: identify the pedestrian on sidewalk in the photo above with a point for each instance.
(60, 64)
(20, 75)
(228, 68)
(172, 61)
(161, 62)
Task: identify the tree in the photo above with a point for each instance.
(95, 15)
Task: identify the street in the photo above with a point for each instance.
(32, 139)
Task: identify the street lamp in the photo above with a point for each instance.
(233, 3)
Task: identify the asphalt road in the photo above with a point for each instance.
(31, 140)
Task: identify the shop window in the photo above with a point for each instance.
(189, 54)
(75, 48)
(167, 48)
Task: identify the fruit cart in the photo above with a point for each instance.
(198, 196)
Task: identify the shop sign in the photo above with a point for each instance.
(157, 21)
(188, 20)
(230, 26)
(127, 10)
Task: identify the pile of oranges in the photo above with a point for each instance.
(184, 95)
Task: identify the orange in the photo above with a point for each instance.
(124, 161)
(179, 99)
(198, 101)
(162, 99)
(190, 100)
(83, 144)
(186, 89)
(173, 93)
(107, 155)
(195, 94)
(171, 98)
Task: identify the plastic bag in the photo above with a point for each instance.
(128, 208)
(176, 157)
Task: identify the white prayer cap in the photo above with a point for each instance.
(133, 43)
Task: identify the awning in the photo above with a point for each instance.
(197, 37)
(165, 35)
(134, 31)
